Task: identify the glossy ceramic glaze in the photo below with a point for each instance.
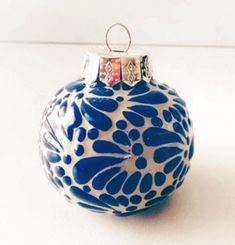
(116, 150)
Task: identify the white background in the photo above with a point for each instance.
(181, 22)
(202, 211)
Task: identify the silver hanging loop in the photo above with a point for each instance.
(107, 34)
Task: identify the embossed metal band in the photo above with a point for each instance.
(112, 70)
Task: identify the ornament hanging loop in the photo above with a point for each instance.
(107, 41)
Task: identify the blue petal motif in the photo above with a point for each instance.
(117, 86)
(96, 118)
(175, 114)
(81, 134)
(135, 199)
(139, 88)
(53, 157)
(167, 115)
(48, 145)
(152, 97)
(67, 159)
(185, 125)
(155, 136)
(63, 107)
(76, 123)
(183, 173)
(77, 86)
(164, 153)
(167, 190)
(121, 137)
(163, 86)
(159, 178)
(101, 179)
(102, 91)
(144, 110)
(131, 183)
(123, 200)
(146, 183)
(172, 92)
(131, 208)
(172, 164)
(150, 195)
(103, 104)
(179, 129)
(126, 86)
(86, 168)
(191, 149)
(134, 134)
(134, 118)
(178, 170)
(180, 109)
(108, 199)
(180, 101)
(104, 146)
(77, 192)
(58, 183)
(156, 121)
(115, 184)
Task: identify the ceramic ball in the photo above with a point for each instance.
(117, 149)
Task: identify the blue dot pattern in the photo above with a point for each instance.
(116, 150)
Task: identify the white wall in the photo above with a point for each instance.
(183, 22)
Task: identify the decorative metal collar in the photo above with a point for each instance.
(116, 65)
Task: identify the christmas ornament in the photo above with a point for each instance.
(116, 140)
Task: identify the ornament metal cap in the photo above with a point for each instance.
(112, 66)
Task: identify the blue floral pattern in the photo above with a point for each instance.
(117, 150)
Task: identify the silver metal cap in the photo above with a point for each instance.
(112, 66)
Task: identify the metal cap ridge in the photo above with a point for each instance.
(112, 67)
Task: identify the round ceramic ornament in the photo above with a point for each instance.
(116, 140)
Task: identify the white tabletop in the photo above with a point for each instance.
(202, 211)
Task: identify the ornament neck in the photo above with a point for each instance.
(114, 67)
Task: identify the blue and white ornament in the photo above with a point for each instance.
(118, 149)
